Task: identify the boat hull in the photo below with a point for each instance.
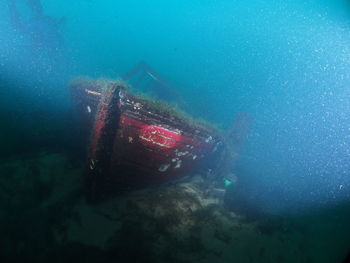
(134, 142)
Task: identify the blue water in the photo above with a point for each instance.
(285, 63)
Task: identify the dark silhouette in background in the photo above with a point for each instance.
(35, 110)
(43, 34)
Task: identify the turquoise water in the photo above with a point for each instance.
(285, 63)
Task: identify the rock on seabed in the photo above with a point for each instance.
(44, 217)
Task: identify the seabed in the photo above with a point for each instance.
(44, 218)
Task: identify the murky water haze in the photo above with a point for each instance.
(286, 63)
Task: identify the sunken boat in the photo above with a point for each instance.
(135, 141)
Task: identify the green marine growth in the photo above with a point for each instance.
(225, 157)
(168, 109)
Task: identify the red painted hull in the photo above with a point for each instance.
(134, 143)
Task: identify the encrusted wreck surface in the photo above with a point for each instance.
(136, 141)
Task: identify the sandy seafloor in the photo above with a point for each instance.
(44, 218)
